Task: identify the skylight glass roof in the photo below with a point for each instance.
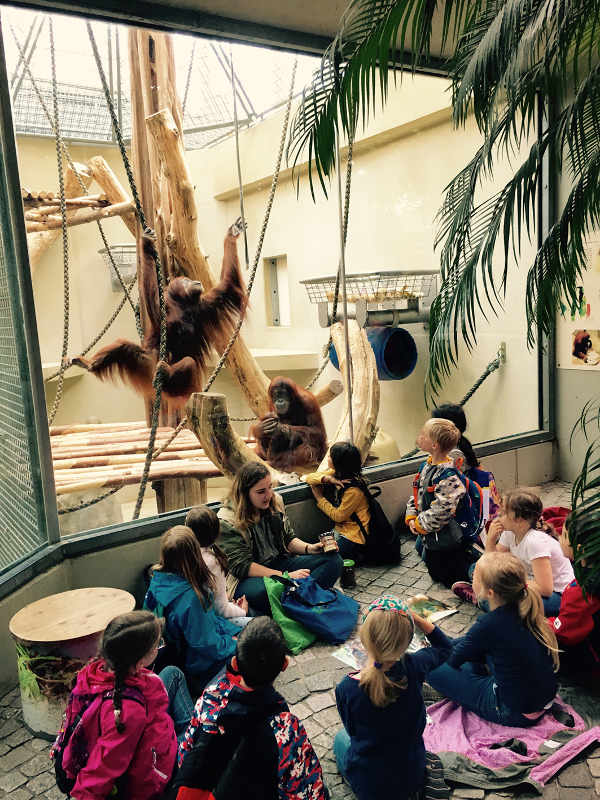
(203, 67)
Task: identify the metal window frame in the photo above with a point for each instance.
(149, 14)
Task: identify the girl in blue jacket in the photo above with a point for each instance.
(181, 591)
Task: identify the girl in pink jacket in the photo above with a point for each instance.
(119, 733)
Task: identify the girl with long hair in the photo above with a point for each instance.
(515, 641)
(182, 590)
(129, 715)
(259, 540)
(380, 751)
(350, 501)
(204, 524)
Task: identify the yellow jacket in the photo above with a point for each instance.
(353, 502)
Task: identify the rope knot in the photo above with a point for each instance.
(150, 233)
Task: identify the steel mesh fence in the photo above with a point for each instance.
(19, 527)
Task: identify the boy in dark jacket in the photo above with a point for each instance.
(242, 741)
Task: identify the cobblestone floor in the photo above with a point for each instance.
(308, 683)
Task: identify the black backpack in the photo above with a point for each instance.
(382, 542)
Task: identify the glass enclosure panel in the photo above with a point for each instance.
(403, 160)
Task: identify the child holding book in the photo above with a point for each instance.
(380, 752)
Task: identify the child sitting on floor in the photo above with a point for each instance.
(513, 640)
(519, 529)
(380, 752)
(577, 624)
(181, 591)
(430, 511)
(204, 524)
(243, 742)
(345, 474)
(128, 719)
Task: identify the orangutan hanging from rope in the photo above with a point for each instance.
(196, 321)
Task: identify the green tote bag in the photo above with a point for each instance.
(296, 635)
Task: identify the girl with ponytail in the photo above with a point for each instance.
(129, 715)
(516, 643)
(380, 751)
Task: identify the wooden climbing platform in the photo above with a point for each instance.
(99, 456)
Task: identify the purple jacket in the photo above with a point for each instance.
(144, 752)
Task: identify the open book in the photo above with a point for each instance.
(354, 654)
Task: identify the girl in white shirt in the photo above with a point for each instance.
(517, 529)
(205, 526)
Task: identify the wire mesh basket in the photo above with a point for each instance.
(373, 287)
(125, 257)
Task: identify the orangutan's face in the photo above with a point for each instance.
(281, 400)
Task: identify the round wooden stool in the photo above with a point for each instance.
(55, 636)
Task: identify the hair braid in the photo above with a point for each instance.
(118, 700)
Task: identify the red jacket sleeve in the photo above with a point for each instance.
(575, 621)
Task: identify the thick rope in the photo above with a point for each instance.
(92, 502)
(162, 347)
(65, 234)
(263, 230)
(187, 81)
(236, 128)
(67, 154)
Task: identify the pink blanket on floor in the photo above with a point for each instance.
(488, 755)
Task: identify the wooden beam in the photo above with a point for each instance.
(328, 393)
(365, 387)
(208, 419)
(39, 242)
(112, 188)
(80, 217)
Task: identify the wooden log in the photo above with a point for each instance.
(112, 188)
(80, 217)
(208, 419)
(184, 243)
(79, 427)
(83, 462)
(157, 473)
(39, 242)
(365, 387)
(328, 393)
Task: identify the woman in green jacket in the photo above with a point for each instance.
(258, 540)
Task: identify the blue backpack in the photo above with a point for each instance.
(330, 614)
(469, 511)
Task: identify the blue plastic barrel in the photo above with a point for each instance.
(395, 352)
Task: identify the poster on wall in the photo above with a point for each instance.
(578, 329)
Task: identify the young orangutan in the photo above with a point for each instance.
(292, 434)
(195, 321)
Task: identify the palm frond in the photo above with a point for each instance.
(561, 261)
(584, 521)
(373, 40)
(589, 415)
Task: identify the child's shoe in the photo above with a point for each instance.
(465, 591)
